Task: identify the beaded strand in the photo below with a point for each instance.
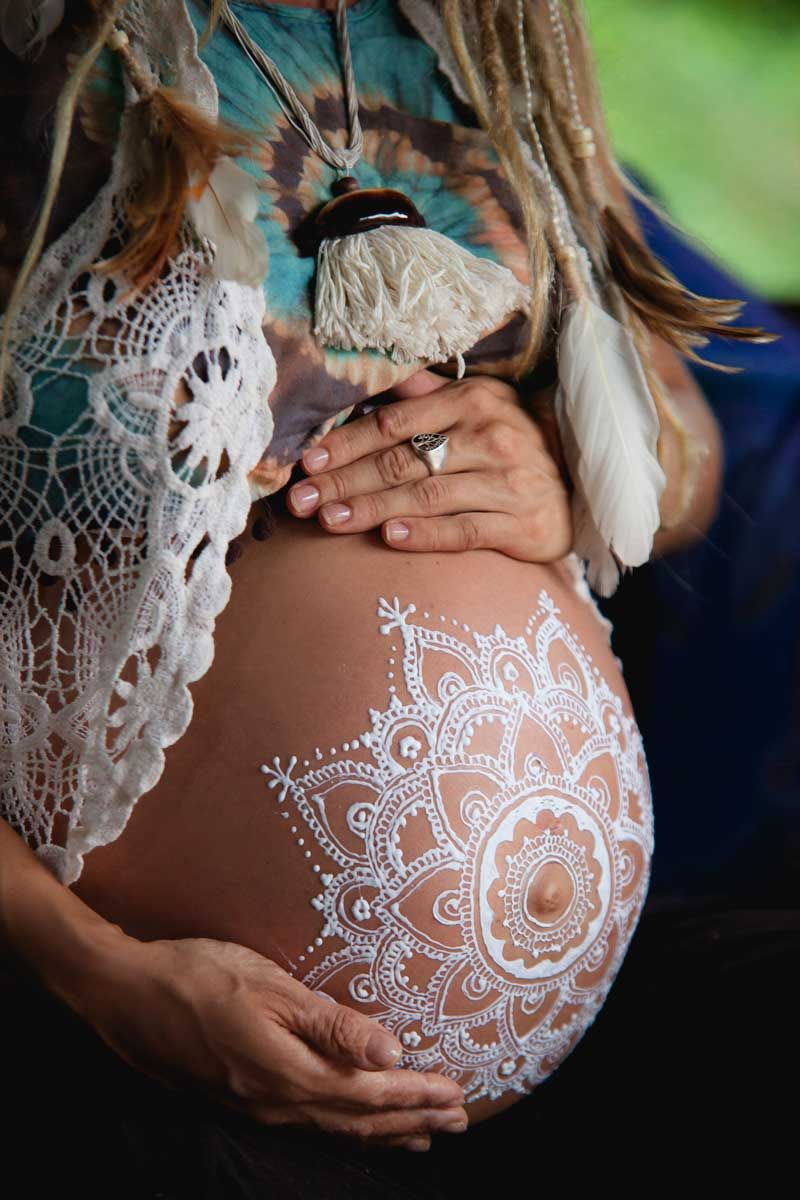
(565, 251)
(581, 135)
(119, 42)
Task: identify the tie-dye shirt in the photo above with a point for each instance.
(418, 138)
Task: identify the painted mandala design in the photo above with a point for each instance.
(490, 836)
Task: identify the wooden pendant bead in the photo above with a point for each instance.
(348, 183)
(356, 210)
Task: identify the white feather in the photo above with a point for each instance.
(602, 570)
(225, 213)
(26, 24)
(609, 426)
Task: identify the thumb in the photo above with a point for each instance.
(344, 1035)
(419, 384)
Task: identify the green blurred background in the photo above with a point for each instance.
(703, 100)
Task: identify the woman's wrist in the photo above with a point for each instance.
(692, 455)
(79, 954)
(51, 933)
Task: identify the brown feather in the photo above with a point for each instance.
(179, 148)
(680, 317)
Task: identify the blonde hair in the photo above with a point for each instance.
(482, 36)
(654, 300)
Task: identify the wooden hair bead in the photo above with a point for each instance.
(581, 133)
(117, 40)
(582, 140)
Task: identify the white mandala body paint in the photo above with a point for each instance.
(491, 847)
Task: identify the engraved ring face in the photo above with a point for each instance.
(432, 449)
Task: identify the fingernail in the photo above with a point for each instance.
(305, 496)
(418, 1144)
(383, 1050)
(314, 460)
(336, 514)
(453, 1127)
(396, 531)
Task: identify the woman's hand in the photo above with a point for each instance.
(222, 1019)
(501, 488)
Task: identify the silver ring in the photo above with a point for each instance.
(432, 449)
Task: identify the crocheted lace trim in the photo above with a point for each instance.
(113, 532)
(108, 609)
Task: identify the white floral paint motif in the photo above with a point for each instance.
(484, 889)
(410, 747)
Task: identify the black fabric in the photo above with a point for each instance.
(692, 1062)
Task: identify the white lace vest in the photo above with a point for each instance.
(107, 614)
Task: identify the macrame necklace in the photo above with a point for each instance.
(385, 281)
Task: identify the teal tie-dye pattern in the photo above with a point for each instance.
(418, 138)
(393, 69)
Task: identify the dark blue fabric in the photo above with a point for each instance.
(709, 636)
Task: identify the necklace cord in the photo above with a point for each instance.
(342, 159)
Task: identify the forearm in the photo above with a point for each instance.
(704, 467)
(47, 929)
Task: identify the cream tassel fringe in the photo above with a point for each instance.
(412, 292)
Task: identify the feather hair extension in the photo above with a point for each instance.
(179, 148)
(25, 25)
(693, 451)
(186, 164)
(602, 569)
(225, 212)
(610, 427)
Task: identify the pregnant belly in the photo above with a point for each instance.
(416, 782)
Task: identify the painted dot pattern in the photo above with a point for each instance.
(500, 867)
